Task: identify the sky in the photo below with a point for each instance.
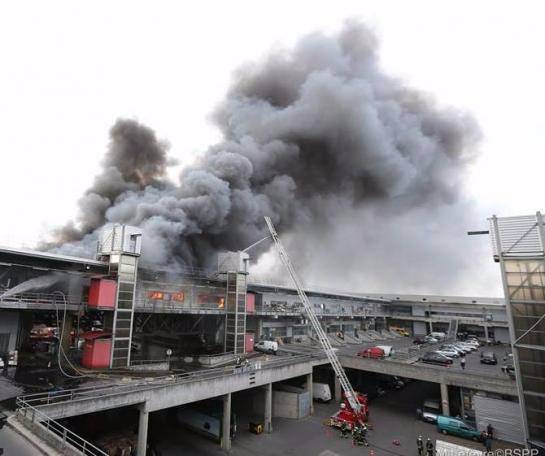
(70, 69)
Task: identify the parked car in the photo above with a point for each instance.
(401, 331)
(390, 382)
(476, 341)
(452, 347)
(267, 346)
(462, 335)
(387, 349)
(419, 340)
(467, 346)
(463, 348)
(373, 352)
(430, 339)
(473, 342)
(455, 426)
(372, 390)
(430, 410)
(489, 358)
(438, 335)
(509, 368)
(448, 353)
(436, 358)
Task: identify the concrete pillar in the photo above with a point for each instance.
(338, 389)
(309, 389)
(142, 430)
(25, 326)
(444, 399)
(226, 423)
(268, 408)
(462, 408)
(430, 326)
(486, 332)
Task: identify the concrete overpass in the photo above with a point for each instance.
(172, 391)
(435, 374)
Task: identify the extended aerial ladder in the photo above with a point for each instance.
(322, 336)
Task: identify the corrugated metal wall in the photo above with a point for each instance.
(504, 416)
(501, 334)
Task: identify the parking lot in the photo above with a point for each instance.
(403, 344)
(392, 417)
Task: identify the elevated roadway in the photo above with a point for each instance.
(164, 392)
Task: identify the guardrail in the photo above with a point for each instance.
(36, 298)
(66, 436)
(102, 391)
(144, 304)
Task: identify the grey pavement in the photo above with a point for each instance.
(393, 417)
(16, 445)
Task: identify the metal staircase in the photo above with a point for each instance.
(322, 336)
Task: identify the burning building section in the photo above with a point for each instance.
(153, 277)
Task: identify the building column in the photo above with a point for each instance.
(268, 408)
(462, 408)
(142, 430)
(338, 389)
(309, 389)
(430, 326)
(226, 423)
(444, 399)
(486, 332)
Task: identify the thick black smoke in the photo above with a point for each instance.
(312, 135)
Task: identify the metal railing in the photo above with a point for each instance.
(36, 298)
(67, 437)
(102, 391)
(176, 307)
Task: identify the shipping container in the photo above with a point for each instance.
(96, 350)
(102, 294)
(250, 303)
(249, 343)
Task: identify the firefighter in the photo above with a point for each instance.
(363, 433)
(356, 435)
(490, 430)
(420, 446)
(429, 447)
(345, 429)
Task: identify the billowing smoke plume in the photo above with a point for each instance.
(312, 136)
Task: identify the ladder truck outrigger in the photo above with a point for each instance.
(354, 408)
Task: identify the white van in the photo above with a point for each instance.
(321, 392)
(266, 346)
(440, 336)
(387, 349)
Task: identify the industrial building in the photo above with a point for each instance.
(111, 315)
(519, 247)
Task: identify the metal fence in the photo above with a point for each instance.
(66, 437)
(102, 391)
(37, 298)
